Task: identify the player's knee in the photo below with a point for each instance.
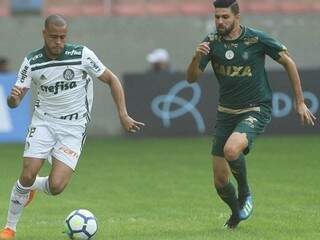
(231, 152)
(27, 178)
(56, 187)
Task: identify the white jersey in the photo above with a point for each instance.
(64, 85)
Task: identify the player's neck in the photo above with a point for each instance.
(234, 34)
(50, 55)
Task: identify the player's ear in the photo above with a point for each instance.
(44, 33)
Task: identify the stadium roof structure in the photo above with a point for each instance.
(164, 7)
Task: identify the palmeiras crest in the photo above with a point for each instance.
(68, 74)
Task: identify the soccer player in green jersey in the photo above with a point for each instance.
(237, 55)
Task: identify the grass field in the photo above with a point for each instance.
(160, 189)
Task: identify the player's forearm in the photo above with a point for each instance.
(13, 102)
(293, 74)
(193, 70)
(118, 96)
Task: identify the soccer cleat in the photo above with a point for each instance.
(246, 208)
(233, 221)
(7, 234)
(31, 197)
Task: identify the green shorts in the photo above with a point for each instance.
(251, 123)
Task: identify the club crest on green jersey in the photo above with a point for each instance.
(229, 55)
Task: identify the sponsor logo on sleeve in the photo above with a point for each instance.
(40, 55)
(23, 74)
(93, 64)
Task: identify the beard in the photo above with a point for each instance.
(53, 51)
(226, 31)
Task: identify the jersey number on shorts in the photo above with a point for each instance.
(31, 132)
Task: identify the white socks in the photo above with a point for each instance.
(41, 184)
(19, 197)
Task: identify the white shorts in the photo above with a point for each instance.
(61, 141)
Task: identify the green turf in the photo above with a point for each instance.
(161, 189)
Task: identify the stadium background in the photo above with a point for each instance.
(160, 188)
(125, 31)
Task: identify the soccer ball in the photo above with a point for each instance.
(81, 224)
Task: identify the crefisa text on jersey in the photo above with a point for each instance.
(73, 53)
(59, 86)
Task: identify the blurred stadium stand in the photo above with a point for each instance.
(160, 7)
(77, 7)
(293, 21)
(26, 6)
(4, 8)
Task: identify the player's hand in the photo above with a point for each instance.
(305, 115)
(15, 96)
(130, 124)
(203, 49)
(17, 93)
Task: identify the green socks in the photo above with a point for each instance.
(239, 171)
(228, 195)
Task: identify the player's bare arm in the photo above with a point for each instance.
(305, 115)
(127, 122)
(16, 95)
(193, 70)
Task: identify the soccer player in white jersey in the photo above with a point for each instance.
(62, 74)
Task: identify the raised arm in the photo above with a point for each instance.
(193, 71)
(21, 86)
(304, 113)
(118, 96)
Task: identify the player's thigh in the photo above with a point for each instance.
(221, 171)
(224, 127)
(221, 135)
(235, 145)
(40, 140)
(69, 144)
(253, 124)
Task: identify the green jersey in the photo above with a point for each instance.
(239, 66)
